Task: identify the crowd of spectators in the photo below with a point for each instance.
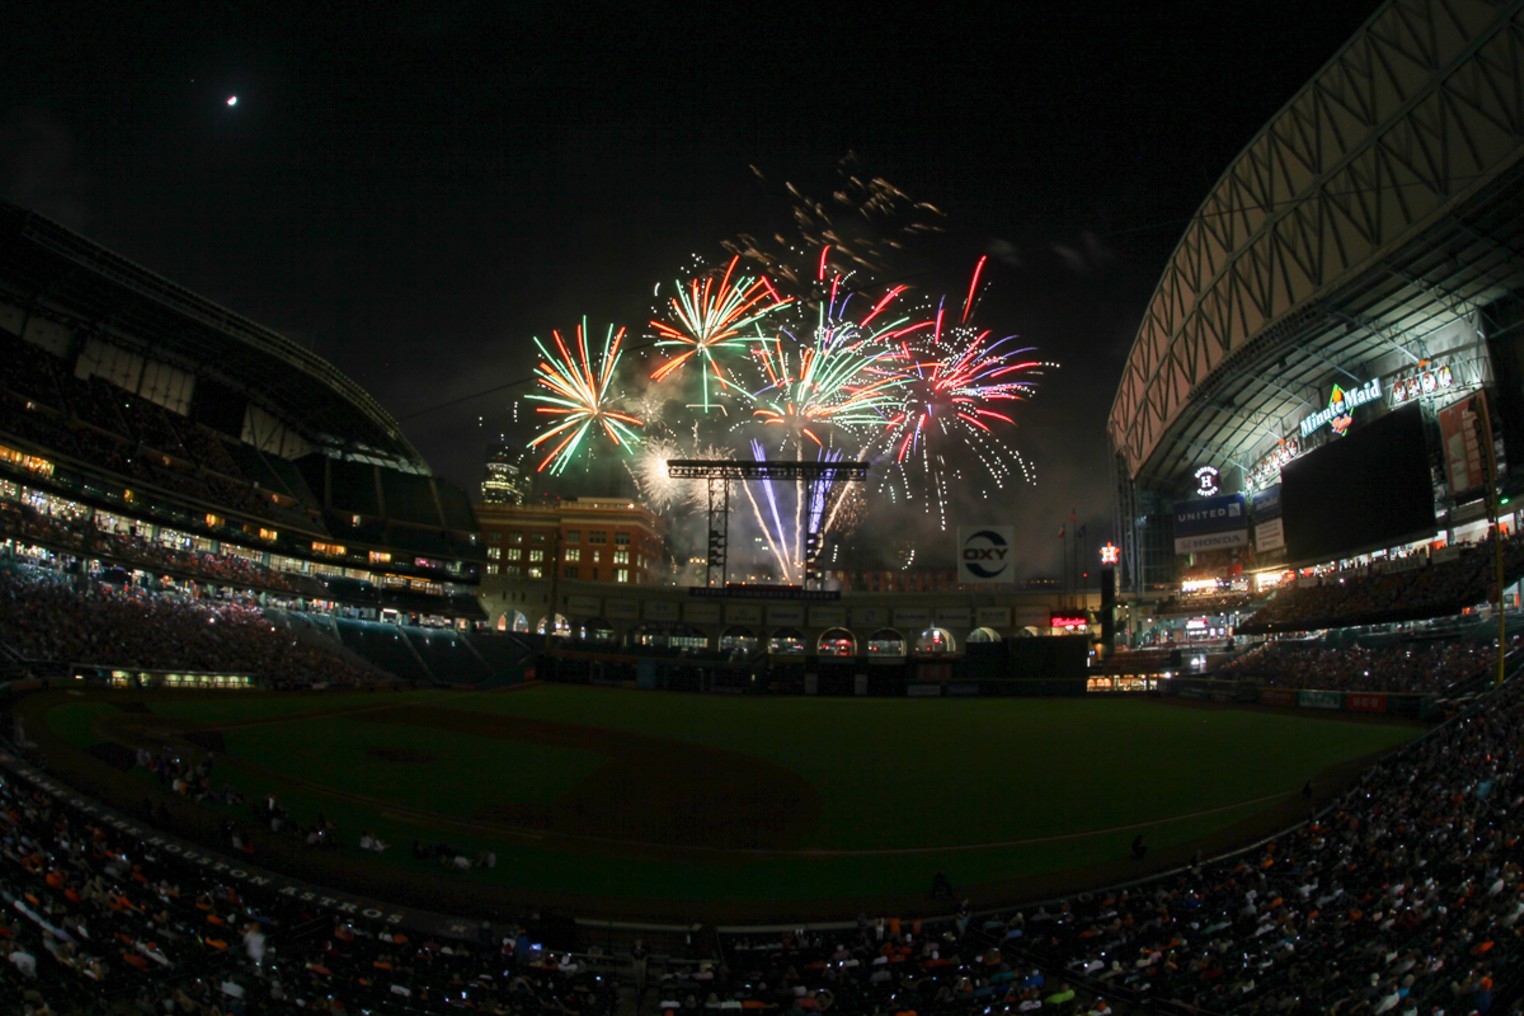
(76, 533)
(97, 922)
(91, 420)
(1226, 602)
(47, 616)
(1361, 596)
(1405, 896)
(1400, 667)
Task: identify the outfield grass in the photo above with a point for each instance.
(854, 798)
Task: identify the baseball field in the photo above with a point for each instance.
(662, 805)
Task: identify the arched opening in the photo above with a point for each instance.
(738, 639)
(934, 642)
(886, 642)
(563, 628)
(668, 635)
(983, 635)
(836, 642)
(786, 642)
(512, 620)
(686, 636)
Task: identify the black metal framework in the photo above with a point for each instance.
(720, 472)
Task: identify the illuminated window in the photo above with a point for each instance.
(515, 537)
(494, 553)
(622, 575)
(536, 555)
(32, 462)
(515, 554)
(573, 554)
(621, 557)
(380, 557)
(537, 573)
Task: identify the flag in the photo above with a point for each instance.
(1060, 532)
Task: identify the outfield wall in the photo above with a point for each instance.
(1247, 692)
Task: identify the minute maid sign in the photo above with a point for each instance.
(1340, 403)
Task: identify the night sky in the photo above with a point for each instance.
(414, 193)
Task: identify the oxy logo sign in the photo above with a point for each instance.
(985, 554)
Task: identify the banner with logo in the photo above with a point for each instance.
(1211, 523)
(1320, 699)
(1364, 702)
(1267, 503)
(985, 554)
(1465, 458)
(1269, 535)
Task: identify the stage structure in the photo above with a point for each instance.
(720, 472)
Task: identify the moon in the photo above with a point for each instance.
(232, 100)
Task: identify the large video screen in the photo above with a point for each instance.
(1367, 490)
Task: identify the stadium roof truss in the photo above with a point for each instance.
(54, 268)
(1382, 204)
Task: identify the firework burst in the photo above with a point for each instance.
(579, 393)
(841, 375)
(961, 386)
(713, 314)
(863, 225)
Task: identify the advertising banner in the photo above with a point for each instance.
(1320, 699)
(1269, 535)
(952, 617)
(828, 617)
(1211, 541)
(1267, 503)
(791, 614)
(1210, 523)
(743, 613)
(869, 617)
(621, 610)
(992, 617)
(701, 613)
(1277, 696)
(985, 554)
(912, 620)
(1364, 702)
(662, 610)
(1210, 515)
(1465, 465)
